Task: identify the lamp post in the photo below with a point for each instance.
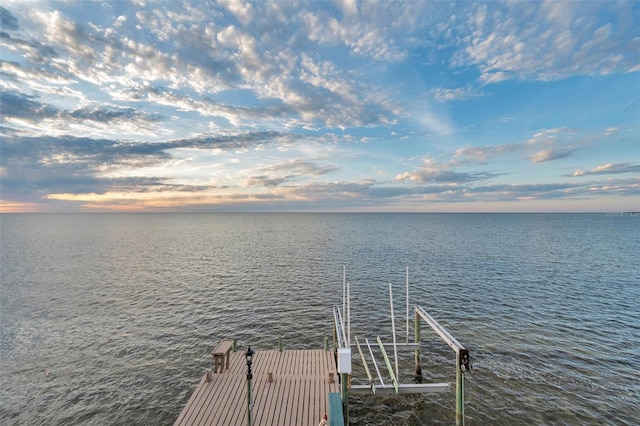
(249, 356)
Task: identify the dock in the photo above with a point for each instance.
(297, 395)
(298, 387)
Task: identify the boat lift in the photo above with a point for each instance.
(343, 345)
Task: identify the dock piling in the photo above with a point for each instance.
(344, 383)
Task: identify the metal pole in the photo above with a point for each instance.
(249, 403)
(341, 343)
(249, 356)
(393, 326)
(459, 392)
(407, 305)
(348, 315)
(335, 333)
(344, 292)
(375, 364)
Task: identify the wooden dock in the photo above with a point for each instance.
(298, 394)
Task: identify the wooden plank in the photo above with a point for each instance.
(202, 403)
(191, 403)
(295, 402)
(237, 406)
(214, 409)
(268, 393)
(307, 395)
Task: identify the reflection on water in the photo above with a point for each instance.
(109, 319)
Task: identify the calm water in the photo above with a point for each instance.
(109, 319)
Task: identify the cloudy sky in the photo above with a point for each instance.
(320, 106)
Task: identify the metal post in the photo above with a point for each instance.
(249, 356)
(280, 344)
(249, 422)
(393, 329)
(407, 341)
(326, 343)
(348, 315)
(459, 392)
(344, 292)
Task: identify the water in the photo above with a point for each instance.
(110, 318)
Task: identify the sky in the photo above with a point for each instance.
(363, 106)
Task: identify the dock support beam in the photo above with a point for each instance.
(344, 391)
(418, 375)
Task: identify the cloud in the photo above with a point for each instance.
(559, 39)
(279, 173)
(549, 155)
(425, 176)
(88, 172)
(189, 59)
(609, 168)
(42, 79)
(433, 171)
(26, 107)
(34, 51)
(366, 29)
(366, 193)
(8, 21)
(482, 154)
(544, 145)
(159, 92)
(242, 10)
(442, 94)
(20, 108)
(49, 165)
(228, 142)
(103, 115)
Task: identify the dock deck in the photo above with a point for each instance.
(298, 394)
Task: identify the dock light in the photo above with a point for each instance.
(249, 356)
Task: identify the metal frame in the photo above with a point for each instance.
(463, 363)
(342, 341)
